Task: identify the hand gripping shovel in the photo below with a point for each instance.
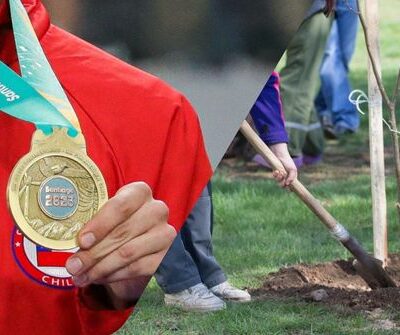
(368, 267)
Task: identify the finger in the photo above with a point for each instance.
(157, 240)
(292, 175)
(145, 266)
(280, 178)
(150, 215)
(277, 175)
(116, 210)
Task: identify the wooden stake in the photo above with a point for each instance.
(379, 207)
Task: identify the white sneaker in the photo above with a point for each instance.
(197, 298)
(227, 292)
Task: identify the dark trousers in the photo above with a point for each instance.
(190, 259)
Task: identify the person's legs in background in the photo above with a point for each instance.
(314, 142)
(300, 85)
(333, 102)
(190, 275)
(179, 278)
(345, 114)
(197, 238)
(177, 270)
(323, 102)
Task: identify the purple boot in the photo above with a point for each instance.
(312, 160)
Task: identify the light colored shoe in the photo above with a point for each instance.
(197, 298)
(228, 292)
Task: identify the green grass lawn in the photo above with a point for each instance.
(260, 228)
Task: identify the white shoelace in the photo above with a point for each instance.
(362, 98)
(199, 290)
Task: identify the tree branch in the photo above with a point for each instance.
(396, 92)
(385, 97)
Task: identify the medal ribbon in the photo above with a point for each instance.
(38, 96)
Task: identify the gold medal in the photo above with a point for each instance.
(55, 189)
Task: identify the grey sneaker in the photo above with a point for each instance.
(197, 298)
(228, 292)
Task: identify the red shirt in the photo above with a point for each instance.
(136, 127)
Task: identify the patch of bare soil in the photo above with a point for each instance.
(334, 283)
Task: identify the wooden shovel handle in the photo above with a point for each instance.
(298, 188)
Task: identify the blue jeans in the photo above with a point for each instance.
(332, 101)
(190, 260)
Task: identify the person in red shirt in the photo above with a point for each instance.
(146, 139)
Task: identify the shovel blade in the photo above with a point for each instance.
(368, 267)
(371, 280)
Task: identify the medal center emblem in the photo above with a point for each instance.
(58, 197)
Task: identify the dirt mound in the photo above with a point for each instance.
(340, 282)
